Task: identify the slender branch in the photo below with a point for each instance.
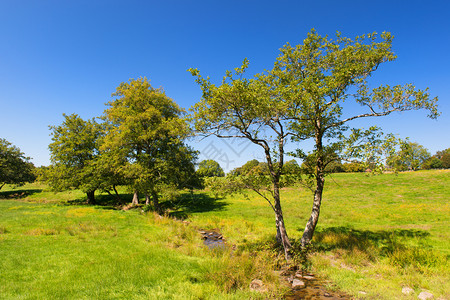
(361, 116)
(262, 195)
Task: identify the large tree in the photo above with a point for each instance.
(316, 77)
(15, 167)
(244, 109)
(146, 131)
(74, 153)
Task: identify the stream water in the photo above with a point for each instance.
(212, 239)
(315, 288)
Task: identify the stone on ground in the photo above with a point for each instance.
(425, 296)
(298, 284)
(407, 290)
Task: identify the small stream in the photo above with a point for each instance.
(315, 289)
(212, 239)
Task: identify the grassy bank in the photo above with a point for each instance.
(376, 234)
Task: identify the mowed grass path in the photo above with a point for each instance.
(376, 234)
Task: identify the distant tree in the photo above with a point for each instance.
(291, 167)
(251, 167)
(15, 168)
(446, 160)
(74, 153)
(411, 156)
(353, 167)
(146, 130)
(210, 168)
(440, 154)
(444, 157)
(432, 163)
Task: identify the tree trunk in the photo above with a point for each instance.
(156, 205)
(282, 237)
(320, 181)
(135, 200)
(147, 199)
(117, 194)
(314, 218)
(91, 197)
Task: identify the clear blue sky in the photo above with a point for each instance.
(69, 56)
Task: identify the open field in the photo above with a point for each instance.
(376, 234)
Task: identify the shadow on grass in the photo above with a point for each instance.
(386, 241)
(104, 201)
(180, 207)
(187, 203)
(18, 194)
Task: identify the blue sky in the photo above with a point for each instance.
(69, 56)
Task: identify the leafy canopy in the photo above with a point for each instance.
(74, 153)
(15, 167)
(146, 134)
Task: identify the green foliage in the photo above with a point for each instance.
(444, 157)
(411, 156)
(432, 163)
(74, 153)
(15, 168)
(353, 167)
(222, 186)
(245, 109)
(440, 160)
(210, 168)
(291, 167)
(314, 79)
(146, 136)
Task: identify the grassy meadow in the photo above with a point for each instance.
(376, 235)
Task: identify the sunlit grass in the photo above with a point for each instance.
(376, 234)
(60, 251)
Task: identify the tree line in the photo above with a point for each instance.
(140, 140)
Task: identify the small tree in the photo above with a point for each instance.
(74, 154)
(15, 168)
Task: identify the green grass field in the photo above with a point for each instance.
(376, 234)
